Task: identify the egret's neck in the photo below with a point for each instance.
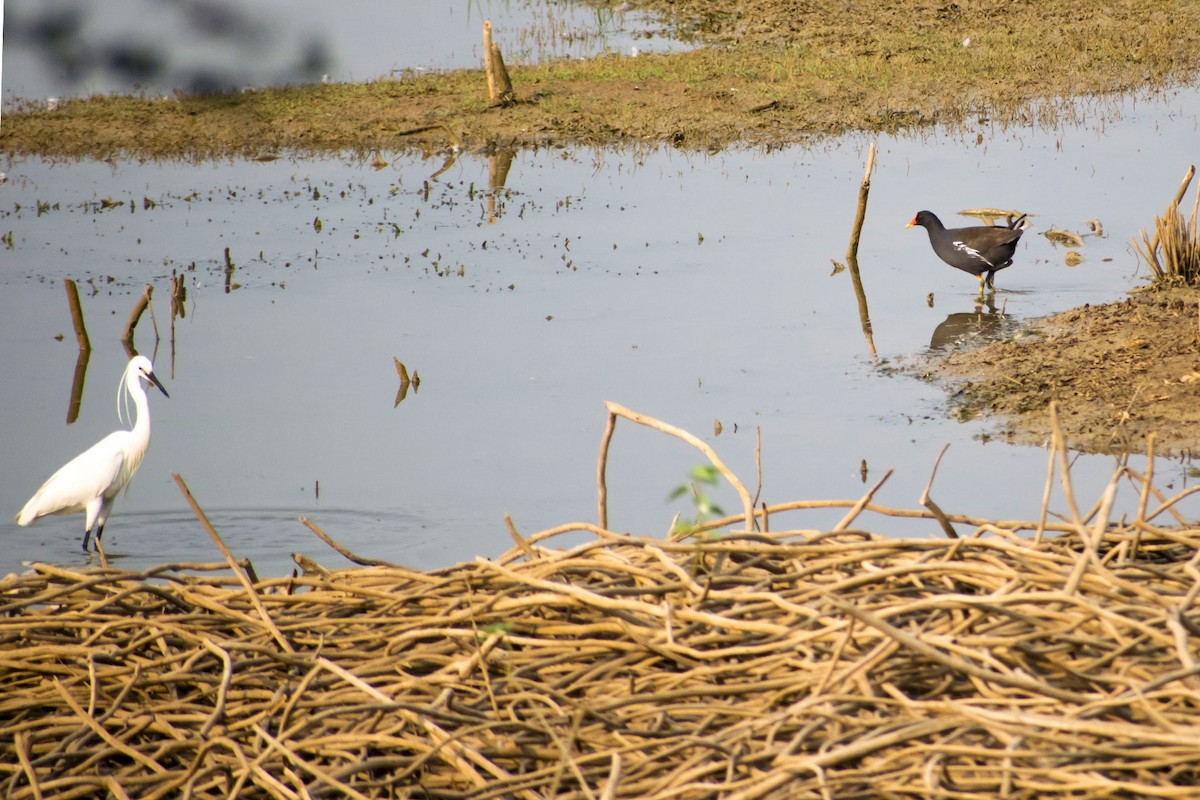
(141, 422)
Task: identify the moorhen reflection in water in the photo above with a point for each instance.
(983, 324)
(981, 250)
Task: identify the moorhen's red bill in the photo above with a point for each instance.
(981, 250)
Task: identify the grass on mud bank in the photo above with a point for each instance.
(776, 74)
(1173, 253)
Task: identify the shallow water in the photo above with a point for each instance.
(690, 288)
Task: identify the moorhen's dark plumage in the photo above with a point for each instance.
(981, 250)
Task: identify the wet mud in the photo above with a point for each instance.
(1118, 372)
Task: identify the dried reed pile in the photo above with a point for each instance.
(1173, 252)
(1028, 659)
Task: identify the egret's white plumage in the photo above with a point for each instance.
(91, 481)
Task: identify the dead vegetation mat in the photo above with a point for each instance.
(1029, 659)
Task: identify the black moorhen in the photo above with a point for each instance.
(981, 250)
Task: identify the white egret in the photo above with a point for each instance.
(93, 479)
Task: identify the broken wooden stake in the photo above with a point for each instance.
(500, 88)
(77, 314)
(138, 308)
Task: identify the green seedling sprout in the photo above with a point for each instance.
(703, 475)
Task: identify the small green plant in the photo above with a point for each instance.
(502, 628)
(703, 475)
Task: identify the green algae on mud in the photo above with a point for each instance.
(776, 72)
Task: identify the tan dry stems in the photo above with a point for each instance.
(1173, 253)
(758, 665)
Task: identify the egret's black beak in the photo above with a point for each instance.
(154, 379)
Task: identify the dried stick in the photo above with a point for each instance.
(1143, 496)
(1041, 526)
(357, 559)
(136, 314)
(223, 691)
(1059, 444)
(233, 564)
(487, 61)
(862, 503)
(100, 731)
(77, 381)
(502, 77)
(500, 90)
(153, 319)
(1150, 245)
(1183, 187)
(77, 314)
(785, 768)
(860, 293)
(758, 468)
(294, 758)
(952, 662)
(1091, 543)
(516, 537)
(601, 466)
(572, 526)
(21, 745)
(864, 190)
(614, 779)
(1169, 505)
(459, 755)
(229, 269)
(933, 507)
(1193, 570)
(615, 409)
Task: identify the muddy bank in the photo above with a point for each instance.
(1119, 372)
(774, 72)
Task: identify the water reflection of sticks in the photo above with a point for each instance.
(85, 345)
(864, 190)
(139, 307)
(451, 157)
(178, 308)
(77, 314)
(85, 350)
(405, 381)
(229, 268)
(498, 166)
